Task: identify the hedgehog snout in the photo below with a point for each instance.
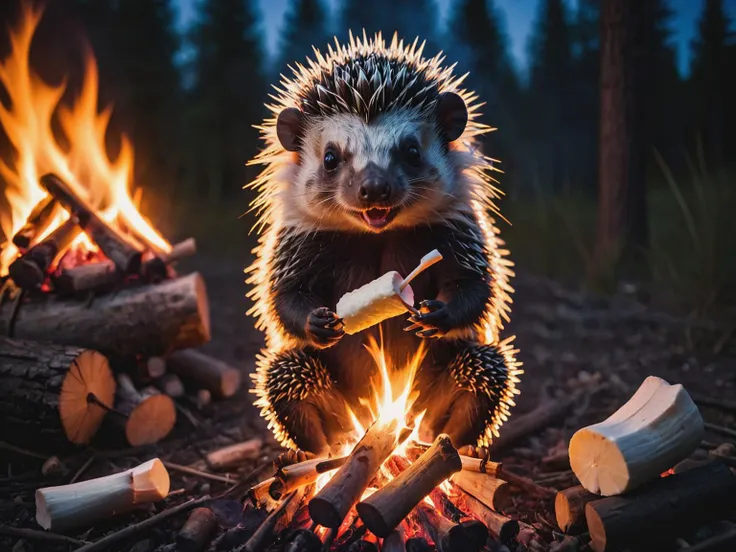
(375, 186)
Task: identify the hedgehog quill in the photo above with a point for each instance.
(371, 159)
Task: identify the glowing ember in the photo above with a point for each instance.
(84, 164)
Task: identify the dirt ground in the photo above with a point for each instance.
(568, 341)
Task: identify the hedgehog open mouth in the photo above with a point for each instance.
(379, 217)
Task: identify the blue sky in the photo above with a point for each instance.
(519, 15)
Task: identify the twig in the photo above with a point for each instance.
(722, 430)
(83, 469)
(131, 530)
(727, 405)
(34, 534)
(526, 484)
(244, 484)
(24, 452)
(199, 473)
(187, 414)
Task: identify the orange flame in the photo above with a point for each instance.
(84, 164)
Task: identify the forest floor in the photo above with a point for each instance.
(568, 341)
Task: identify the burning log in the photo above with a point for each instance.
(52, 390)
(386, 508)
(445, 506)
(200, 370)
(330, 506)
(447, 536)
(503, 528)
(35, 223)
(122, 251)
(647, 515)
(570, 509)
(196, 531)
(233, 455)
(659, 426)
(492, 492)
(303, 540)
(100, 277)
(30, 270)
(185, 248)
(294, 476)
(282, 514)
(145, 320)
(395, 542)
(470, 463)
(84, 503)
(259, 494)
(418, 544)
(147, 415)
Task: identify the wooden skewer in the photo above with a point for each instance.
(428, 260)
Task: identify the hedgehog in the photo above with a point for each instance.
(372, 159)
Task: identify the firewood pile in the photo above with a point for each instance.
(108, 335)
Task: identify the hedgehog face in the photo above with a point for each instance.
(394, 171)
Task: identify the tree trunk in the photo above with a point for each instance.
(622, 215)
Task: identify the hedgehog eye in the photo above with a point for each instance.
(412, 155)
(331, 161)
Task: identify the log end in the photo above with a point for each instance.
(596, 528)
(88, 383)
(324, 513)
(230, 382)
(562, 512)
(26, 274)
(150, 421)
(150, 482)
(598, 463)
(373, 519)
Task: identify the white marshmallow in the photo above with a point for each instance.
(374, 302)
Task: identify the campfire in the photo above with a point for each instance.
(82, 267)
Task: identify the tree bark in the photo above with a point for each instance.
(147, 320)
(622, 215)
(45, 393)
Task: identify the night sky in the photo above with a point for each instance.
(519, 15)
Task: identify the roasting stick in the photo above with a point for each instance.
(428, 260)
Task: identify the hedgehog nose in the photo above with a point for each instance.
(374, 188)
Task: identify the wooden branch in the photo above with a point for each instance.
(303, 540)
(659, 426)
(147, 415)
(43, 536)
(259, 493)
(233, 455)
(101, 277)
(446, 535)
(46, 391)
(293, 476)
(494, 493)
(196, 531)
(83, 504)
(396, 541)
(30, 270)
(36, 222)
(501, 527)
(647, 515)
(199, 473)
(522, 425)
(186, 248)
(264, 533)
(146, 320)
(470, 463)
(722, 430)
(570, 509)
(124, 252)
(386, 508)
(137, 528)
(202, 371)
(330, 506)
(719, 543)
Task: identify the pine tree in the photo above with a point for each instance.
(228, 93)
(410, 18)
(305, 25)
(709, 77)
(550, 81)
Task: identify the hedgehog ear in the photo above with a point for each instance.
(289, 128)
(452, 115)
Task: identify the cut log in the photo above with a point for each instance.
(82, 504)
(570, 509)
(291, 477)
(646, 516)
(196, 531)
(395, 542)
(501, 527)
(100, 277)
(470, 463)
(386, 508)
(147, 320)
(36, 223)
(171, 385)
(123, 251)
(147, 415)
(30, 270)
(186, 248)
(202, 371)
(659, 426)
(51, 394)
(233, 455)
(494, 493)
(330, 506)
(447, 536)
(303, 540)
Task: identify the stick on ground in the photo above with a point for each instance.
(203, 371)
